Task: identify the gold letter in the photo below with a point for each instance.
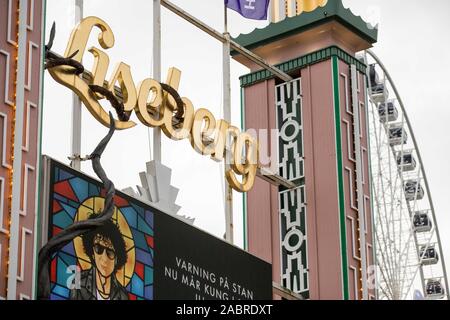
(184, 127)
(122, 74)
(173, 80)
(80, 35)
(243, 143)
(144, 109)
(78, 41)
(101, 64)
(200, 135)
(222, 141)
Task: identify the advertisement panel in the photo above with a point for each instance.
(141, 253)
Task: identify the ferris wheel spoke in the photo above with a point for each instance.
(383, 218)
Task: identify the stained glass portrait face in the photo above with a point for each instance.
(104, 255)
(113, 262)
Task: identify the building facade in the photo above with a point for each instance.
(20, 92)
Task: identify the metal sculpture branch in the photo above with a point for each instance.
(116, 104)
(53, 60)
(180, 104)
(78, 228)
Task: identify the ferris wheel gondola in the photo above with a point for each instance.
(408, 247)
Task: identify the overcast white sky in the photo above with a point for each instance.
(413, 43)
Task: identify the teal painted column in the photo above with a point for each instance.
(340, 176)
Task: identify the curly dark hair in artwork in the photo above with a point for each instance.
(108, 232)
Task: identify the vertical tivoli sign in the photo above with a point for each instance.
(294, 253)
(154, 107)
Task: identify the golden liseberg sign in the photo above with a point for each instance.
(154, 108)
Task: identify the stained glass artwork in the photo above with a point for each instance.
(74, 198)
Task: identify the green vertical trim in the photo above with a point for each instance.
(342, 220)
(244, 217)
(244, 195)
(38, 227)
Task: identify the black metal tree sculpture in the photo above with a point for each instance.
(78, 228)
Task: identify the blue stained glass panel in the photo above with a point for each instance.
(64, 175)
(138, 209)
(61, 291)
(148, 292)
(80, 187)
(139, 240)
(130, 216)
(142, 226)
(62, 275)
(62, 220)
(69, 249)
(56, 297)
(68, 259)
(93, 190)
(149, 218)
(144, 257)
(60, 198)
(70, 210)
(148, 276)
(137, 286)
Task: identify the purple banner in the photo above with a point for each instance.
(251, 9)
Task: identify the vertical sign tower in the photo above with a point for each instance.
(21, 22)
(317, 233)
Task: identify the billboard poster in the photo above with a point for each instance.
(141, 253)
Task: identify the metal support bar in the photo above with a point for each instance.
(219, 36)
(275, 179)
(75, 139)
(157, 70)
(229, 233)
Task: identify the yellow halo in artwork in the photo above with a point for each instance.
(96, 205)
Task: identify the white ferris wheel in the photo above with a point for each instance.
(408, 248)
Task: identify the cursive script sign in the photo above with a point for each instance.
(155, 108)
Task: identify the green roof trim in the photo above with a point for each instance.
(333, 10)
(302, 62)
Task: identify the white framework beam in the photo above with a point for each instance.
(219, 36)
(157, 71)
(229, 233)
(37, 201)
(75, 139)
